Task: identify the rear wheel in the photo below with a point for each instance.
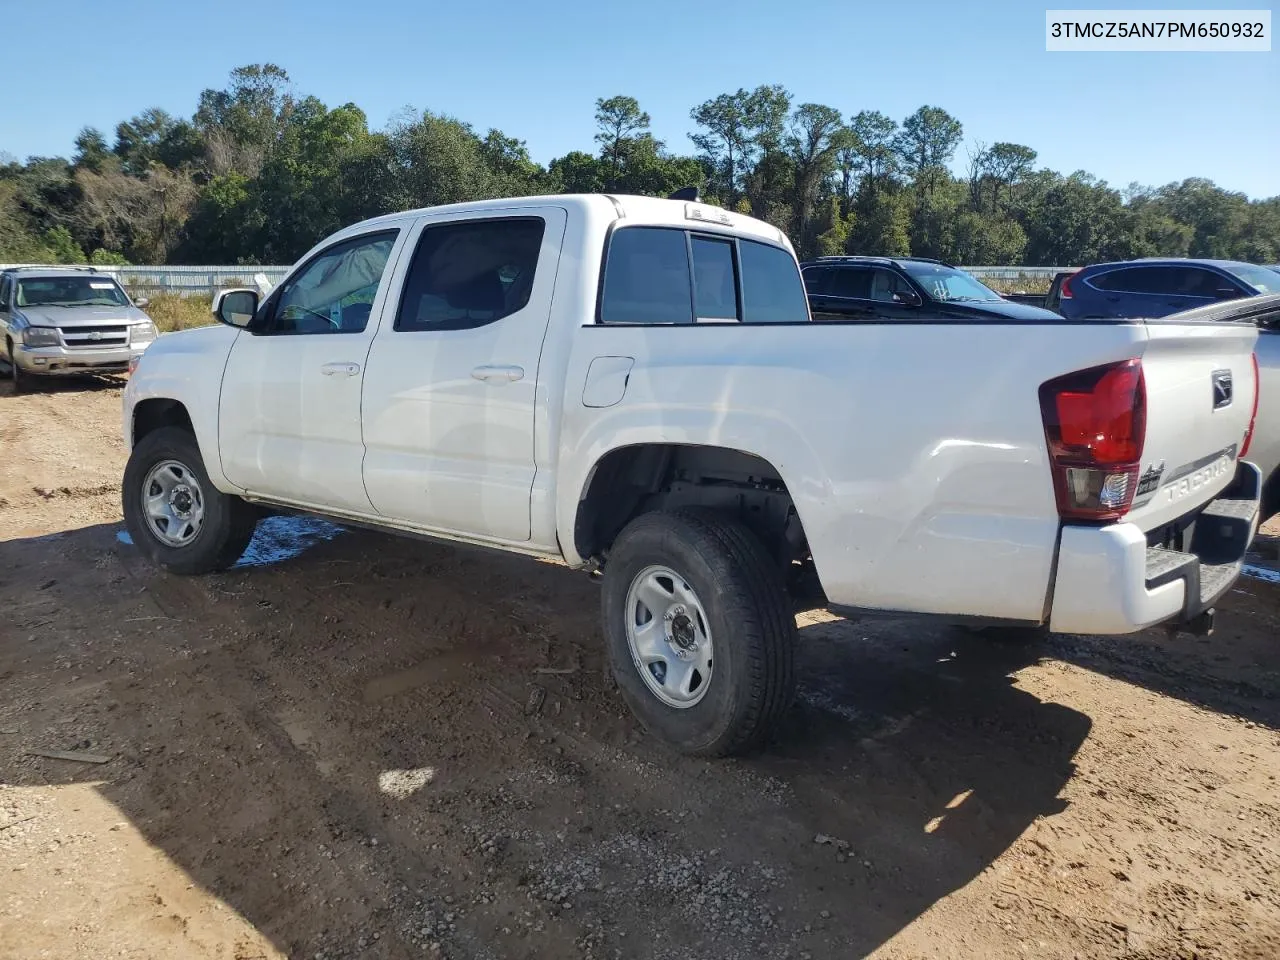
(699, 630)
(173, 512)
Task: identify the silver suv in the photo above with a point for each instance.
(66, 321)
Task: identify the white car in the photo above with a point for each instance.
(635, 386)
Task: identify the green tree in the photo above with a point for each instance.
(92, 152)
(926, 143)
(620, 122)
(725, 140)
(62, 246)
(814, 139)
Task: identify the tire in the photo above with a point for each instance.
(739, 617)
(226, 523)
(21, 384)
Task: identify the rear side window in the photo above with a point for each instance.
(815, 279)
(853, 283)
(715, 279)
(1151, 280)
(663, 275)
(646, 277)
(4, 293)
(470, 273)
(771, 287)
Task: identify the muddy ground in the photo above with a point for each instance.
(357, 746)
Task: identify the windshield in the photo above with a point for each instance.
(1260, 278)
(70, 292)
(947, 283)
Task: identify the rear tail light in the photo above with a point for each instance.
(1064, 292)
(1253, 415)
(1095, 422)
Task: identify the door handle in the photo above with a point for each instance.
(499, 373)
(340, 369)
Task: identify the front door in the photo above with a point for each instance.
(289, 415)
(450, 399)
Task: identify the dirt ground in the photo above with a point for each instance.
(358, 746)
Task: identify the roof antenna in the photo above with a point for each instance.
(686, 193)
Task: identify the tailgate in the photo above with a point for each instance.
(1198, 369)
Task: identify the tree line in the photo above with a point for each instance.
(259, 173)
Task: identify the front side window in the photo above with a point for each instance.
(87, 291)
(470, 273)
(334, 293)
(888, 287)
(1194, 282)
(4, 294)
(948, 284)
(1261, 279)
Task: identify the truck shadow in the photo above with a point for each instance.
(268, 724)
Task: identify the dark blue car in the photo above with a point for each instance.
(1157, 288)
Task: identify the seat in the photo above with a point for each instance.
(882, 286)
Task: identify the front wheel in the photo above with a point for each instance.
(700, 634)
(173, 512)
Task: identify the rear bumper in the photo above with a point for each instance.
(1111, 580)
(62, 361)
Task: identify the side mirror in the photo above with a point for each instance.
(908, 298)
(236, 307)
(141, 302)
(1226, 293)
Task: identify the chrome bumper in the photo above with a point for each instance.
(61, 361)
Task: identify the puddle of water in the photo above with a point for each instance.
(283, 538)
(276, 539)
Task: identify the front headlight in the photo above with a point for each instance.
(142, 332)
(40, 337)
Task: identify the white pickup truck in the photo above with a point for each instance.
(636, 386)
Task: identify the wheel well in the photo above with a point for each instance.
(153, 414)
(637, 479)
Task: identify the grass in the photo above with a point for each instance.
(171, 312)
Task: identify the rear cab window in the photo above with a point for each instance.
(668, 275)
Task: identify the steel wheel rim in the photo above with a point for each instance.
(669, 636)
(173, 503)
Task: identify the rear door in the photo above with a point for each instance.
(448, 406)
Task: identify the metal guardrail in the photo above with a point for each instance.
(148, 281)
(199, 281)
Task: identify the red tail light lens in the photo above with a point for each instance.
(1064, 292)
(1095, 422)
(1253, 415)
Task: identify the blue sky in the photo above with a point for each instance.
(534, 70)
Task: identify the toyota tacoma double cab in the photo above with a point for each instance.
(635, 386)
